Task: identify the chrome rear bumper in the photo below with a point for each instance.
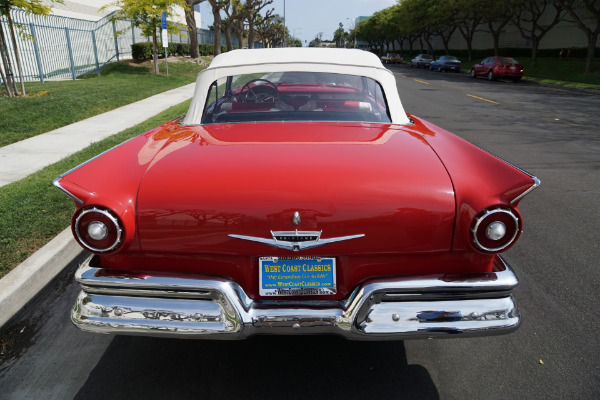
(210, 307)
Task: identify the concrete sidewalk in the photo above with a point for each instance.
(20, 159)
(23, 158)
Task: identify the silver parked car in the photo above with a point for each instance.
(446, 63)
(421, 61)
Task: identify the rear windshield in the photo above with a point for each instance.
(508, 60)
(451, 58)
(295, 96)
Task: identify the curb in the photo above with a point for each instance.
(570, 88)
(24, 282)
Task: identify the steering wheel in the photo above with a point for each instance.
(259, 93)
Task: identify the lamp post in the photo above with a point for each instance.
(294, 34)
(352, 25)
(284, 27)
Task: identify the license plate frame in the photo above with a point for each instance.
(297, 276)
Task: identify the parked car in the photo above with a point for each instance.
(446, 63)
(498, 67)
(296, 197)
(421, 61)
(391, 58)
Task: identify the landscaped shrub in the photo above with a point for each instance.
(183, 49)
(141, 51)
(209, 49)
(178, 49)
(206, 49)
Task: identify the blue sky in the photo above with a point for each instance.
(306, 18)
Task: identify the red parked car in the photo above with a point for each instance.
(297, 197)
(498, 67)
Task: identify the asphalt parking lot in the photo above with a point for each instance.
(550, 132)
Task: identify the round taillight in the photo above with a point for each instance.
(495, 229)
(98, 230)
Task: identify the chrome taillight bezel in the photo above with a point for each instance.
(488, 214)
(106, 214)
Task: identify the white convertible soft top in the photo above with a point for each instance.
(340, 61)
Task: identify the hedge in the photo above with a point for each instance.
(209, 49)
(143, 51)
(579, 52)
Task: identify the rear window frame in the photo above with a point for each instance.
(379, 96)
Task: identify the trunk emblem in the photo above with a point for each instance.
(296, 219)
(296, 240)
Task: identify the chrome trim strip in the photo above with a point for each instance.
(295, 246)
(202, 306)
(531, 189)
(93, 158)
(502, 159)
(536, 181)
(56, 182)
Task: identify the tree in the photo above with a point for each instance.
(528, 19)
(424, 20)
(216, 6)
(369, 32)
(8, 78)
(405, 26)
(227, 25)
(316, 42)
(272, 31)
(340, 36)
(253, 8)
(469, 14)
(239, 15)
(32, 6)
(582, 11)
(496, 15)
(445, 20)
(146, 15)
(192, 28)
(236, 14)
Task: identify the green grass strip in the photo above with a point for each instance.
(65, 102)
(558, 71)
(33, 211)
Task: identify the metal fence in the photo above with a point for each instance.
(55, 47)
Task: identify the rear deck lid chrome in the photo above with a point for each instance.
(296, 240)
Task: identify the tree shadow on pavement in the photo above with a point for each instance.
(264, 367)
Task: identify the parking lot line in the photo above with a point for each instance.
(481, 98)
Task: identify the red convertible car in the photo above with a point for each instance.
(297, 197)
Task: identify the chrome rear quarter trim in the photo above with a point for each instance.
(202, 306)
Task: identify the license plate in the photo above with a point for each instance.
(513, 68)
(296, 276)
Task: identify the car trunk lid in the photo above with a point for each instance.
(340, 179)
